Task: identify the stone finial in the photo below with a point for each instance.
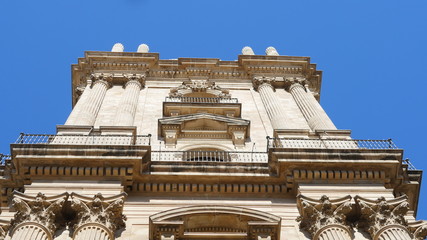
(247, 51)
(317, 214)
(381, 213)
(106, 211)
(118, 47)
(39, 210)
(271, 51)
(143, 48)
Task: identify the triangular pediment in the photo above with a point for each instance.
(204, 126)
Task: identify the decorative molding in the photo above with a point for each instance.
(418, 229)
(199, 86)
(315, 215)
(377, 215)
(258, 81)
(99, 210)
(136, 78)
(39, 210)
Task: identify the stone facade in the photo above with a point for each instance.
(199, 148)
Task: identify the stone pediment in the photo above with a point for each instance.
(204, 126)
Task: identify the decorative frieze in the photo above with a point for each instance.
(100, 215)
(384, 219)
(36, 216)
(325, 219)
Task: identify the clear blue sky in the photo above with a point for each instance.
(373, 54)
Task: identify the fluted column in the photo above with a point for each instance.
(79, 105)
(36, 217)
(314, 114)
(90, 109)
(99, 217)
(325, 219)
(271, 102)
(129, 101)
(384, 219)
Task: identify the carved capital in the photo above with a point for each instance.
(135, 78)
(105, 78)
(381, 213)
(107, 211)
(4, 228)
(40, 209)
(291, 82)
(418, 229)
(315, 215)
(258, 81)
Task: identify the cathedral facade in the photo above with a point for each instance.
(200, 148)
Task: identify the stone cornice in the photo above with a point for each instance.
(119, 63)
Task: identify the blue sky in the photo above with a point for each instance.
(372, 54)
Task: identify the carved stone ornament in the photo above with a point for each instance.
(200, 86)
(257, 81)
(418, 229)
(381, 213)
(140, 78)
(40, 209)
(4, 228)
(295, 81)
(318, 214)
(102, 77)
(106, 211)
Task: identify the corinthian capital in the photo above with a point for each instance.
(291, 82)
(257, 81)
(40, 210)
(106, 211)
(139, 78)
(380, 213)
(105, 78)
(315, 215)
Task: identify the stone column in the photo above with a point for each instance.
(325, 219)
(90, 108)
(97, 217)
(271, 103)
(36, 217)
(129, 101)
(82, 101)
(384, 219)
(314, 114)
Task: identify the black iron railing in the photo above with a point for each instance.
(201, 100)
(409, 164)
(4, 158)
(209, 156)
(330, 143)
(84, 139)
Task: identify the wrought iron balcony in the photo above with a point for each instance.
(201, 100)
(83, 139)
(330, 143)
(209, 156)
